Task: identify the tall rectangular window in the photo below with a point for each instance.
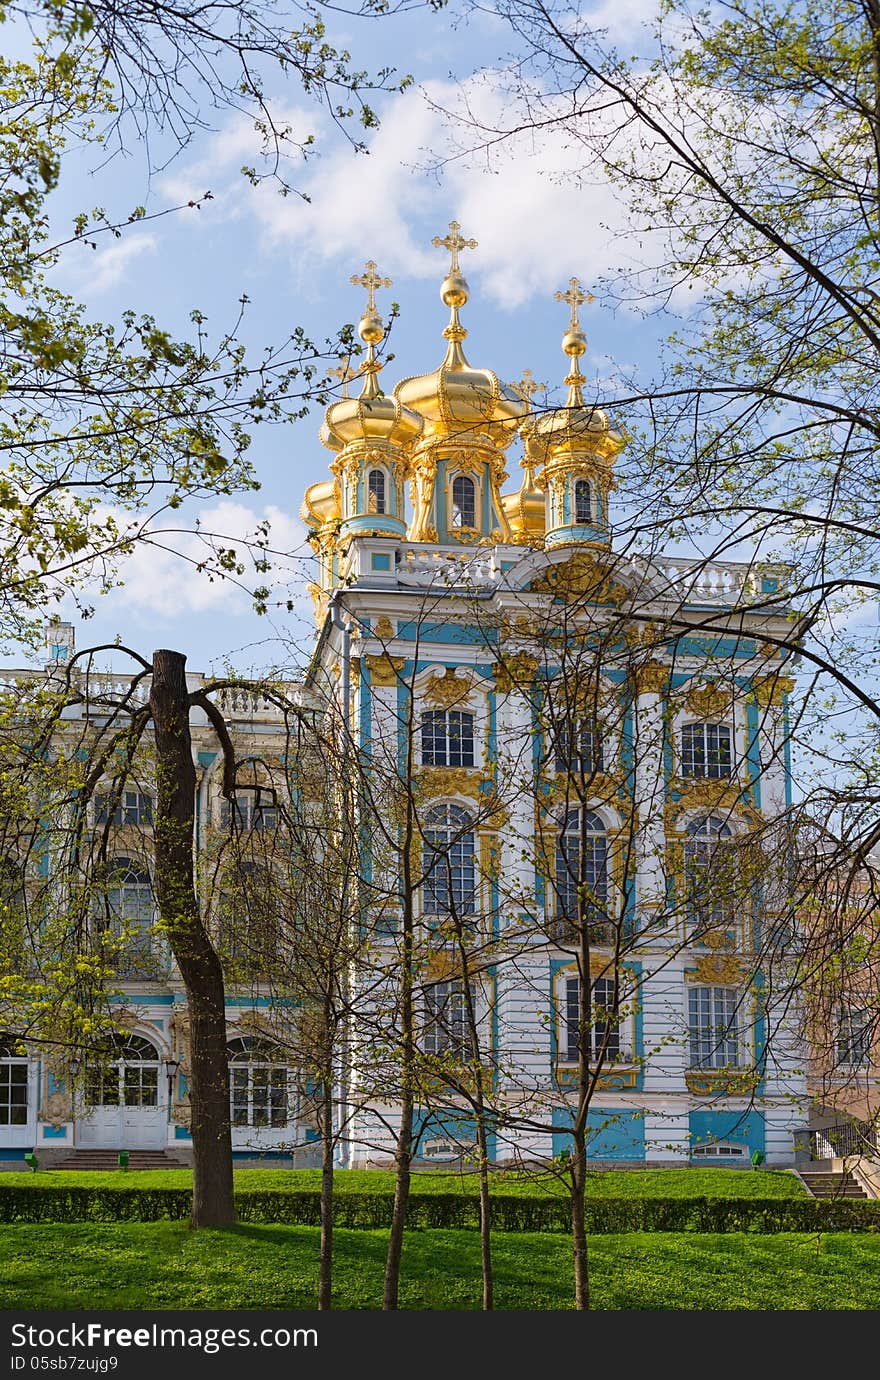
(133, 807)
(853, 1042)
(447, 738)
(578, 747)
(706, 750)
(445, 1019)
(714, 1027)
(603, 1035)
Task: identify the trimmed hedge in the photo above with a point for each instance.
(445, 1210)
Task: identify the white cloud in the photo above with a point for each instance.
(162, 578)
(109, 266)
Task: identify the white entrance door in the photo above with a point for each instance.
(17, 1101)
(126, 1104)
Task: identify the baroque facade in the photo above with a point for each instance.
(582, 753)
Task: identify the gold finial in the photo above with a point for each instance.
(575, 297)
(370, 327)
(454, 242)
(526, 387)
(454, 292)
(344, 373)
(370, 279)
(574, 342)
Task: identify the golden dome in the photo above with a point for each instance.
(321, 503)
(526, 510)
(374, 416)
(456, 397)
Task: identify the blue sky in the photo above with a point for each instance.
(538, 215)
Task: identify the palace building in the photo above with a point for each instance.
(583, 750)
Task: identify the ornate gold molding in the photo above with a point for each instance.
(726, 1082)
(447, 690)
(440, 781)
(578, 576)
(384, 670)
(718, 968)
(651, 679)
(708, 701)
(518, 670)
(384, 628)
(771, 689)
(727, 793)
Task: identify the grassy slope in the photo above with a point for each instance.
(677, 1183)
(164, 1265)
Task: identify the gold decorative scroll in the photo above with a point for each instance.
(581, 575)
(518, 670)
(440, 781)
(384, 670)
(384, 628)
(721, 968)
(771, 689)
(708, 701)
(651, 679)
(447, 690)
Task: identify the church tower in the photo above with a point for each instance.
(577, 447)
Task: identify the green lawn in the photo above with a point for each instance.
(630, 1183)
(165, 1265)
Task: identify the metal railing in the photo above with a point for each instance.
(848, 1138)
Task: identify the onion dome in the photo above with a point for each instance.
(526, 510)
(321, 503)
(576, 426)
(374, 415)
(577, 447)
(456, 397)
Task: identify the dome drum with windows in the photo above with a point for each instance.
(443, 436)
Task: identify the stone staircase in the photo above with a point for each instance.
(109, 1159)
(832, 1184)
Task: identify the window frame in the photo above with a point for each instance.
(701, 759)
(376, 503)
(724, 1028)
(615, 1052)
(441, 895)
(454, 745)
(457, 514)
(579, 519)
(275, 1075)
(565, 886)
(442, 1039)
(853, 1037)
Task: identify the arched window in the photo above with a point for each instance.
(376, 491)
(705, 750)
(710, 874)
(464, 502)
(131, 914)
(258, 1083)
(129, 1077)
(581, 875)
(714, 1027)
(448, 862)
(583, 501)
(13, 1083)
(447, 738)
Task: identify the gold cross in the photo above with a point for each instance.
(575, 297)
(345, 374)
(527, 387)
(453, 242)
(370, 279)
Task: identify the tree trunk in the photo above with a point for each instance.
(485, 1212)
(325, 1269)
(578, 1225)
(403, 1153)
(213, 1203)
(403, 1160)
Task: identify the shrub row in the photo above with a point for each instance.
(509, 1213)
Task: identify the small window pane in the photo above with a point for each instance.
(583, 508)
(464, 502)
(376, 492)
